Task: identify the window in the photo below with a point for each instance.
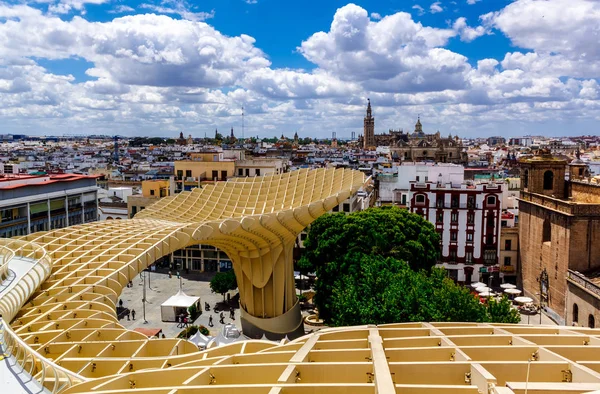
(426, 178)
(547, 231)
(179, 174)
(258, 172)
(454, 202)
(575, 313)
(526, 179)
(491, 200)
(240, 171)
(188, 173)
(454, 217)
(223, 175)
(346, 207)
(453, 235)
(508, 244)
(489, 240)
(215, 175)
(439, 202)
(151, 192)
(490, 219)
(404, 199)
(591, 321)
(469, 257)
(440, 217)
(418, 178)
(247, 172)
(452, 254)
(420, 199)
(548, 180)
(489, 256)
(303, 236)
(471, 202)
(470, 237)
(471, 218)
(507, 261)
(424, 153)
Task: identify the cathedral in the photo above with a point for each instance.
(416, 146)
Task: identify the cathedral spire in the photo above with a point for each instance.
(369, 108)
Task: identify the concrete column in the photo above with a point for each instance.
(67, 210)
(28, 219)
(49, 216)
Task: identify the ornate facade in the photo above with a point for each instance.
(416, 146)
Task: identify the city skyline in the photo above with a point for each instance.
(468, 67)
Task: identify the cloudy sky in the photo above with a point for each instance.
(157, 67)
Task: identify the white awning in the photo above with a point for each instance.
(181, 300)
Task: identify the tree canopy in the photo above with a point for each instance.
(377, 266)
(223, 282)
(385, 232)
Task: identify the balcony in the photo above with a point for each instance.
(456, 206)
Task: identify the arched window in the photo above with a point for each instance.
(491, 200)
(420, 199)
(547, 231)
(548, 180)
(526, 179)
(591, 321)
(575, 313)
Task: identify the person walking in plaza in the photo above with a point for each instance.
(222, 318)
(133, 314)
(210, 321)
(232, 314)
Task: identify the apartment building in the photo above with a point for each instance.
(41, 203)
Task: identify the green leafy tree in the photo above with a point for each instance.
(223, 282)
(502, 312)
(377, 266)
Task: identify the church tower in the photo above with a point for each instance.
(418, 126)
(369, 128)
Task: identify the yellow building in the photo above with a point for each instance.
(155, 188)
(203, 167)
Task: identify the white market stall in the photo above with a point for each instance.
(176, 305)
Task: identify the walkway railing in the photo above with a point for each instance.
(14, 299)
(51, 376)
(6, 254)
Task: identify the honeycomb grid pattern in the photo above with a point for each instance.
(396, 358)
(70, 318)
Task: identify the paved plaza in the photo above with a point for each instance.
(159, 287)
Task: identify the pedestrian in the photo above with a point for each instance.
(222, 318)
(128, 315)
(232, 314)
(133, 314)
(121, 303)
(178, 321)
(210, 321)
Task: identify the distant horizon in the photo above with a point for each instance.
(476, 68)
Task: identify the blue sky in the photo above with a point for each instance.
(159, 67)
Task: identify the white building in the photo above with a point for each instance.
(467, 217)
(394, 183)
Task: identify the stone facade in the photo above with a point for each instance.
(583, 301)
(557, 233)
(416, 146)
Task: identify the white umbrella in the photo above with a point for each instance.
(483, 289)
(523, 300)
(487, 294)
(477, 284)
(513, 291)
(508, 286)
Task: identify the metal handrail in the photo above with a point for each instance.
(51, 376)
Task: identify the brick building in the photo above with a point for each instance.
(559, 229)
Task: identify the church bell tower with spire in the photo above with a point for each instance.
(369, 128)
